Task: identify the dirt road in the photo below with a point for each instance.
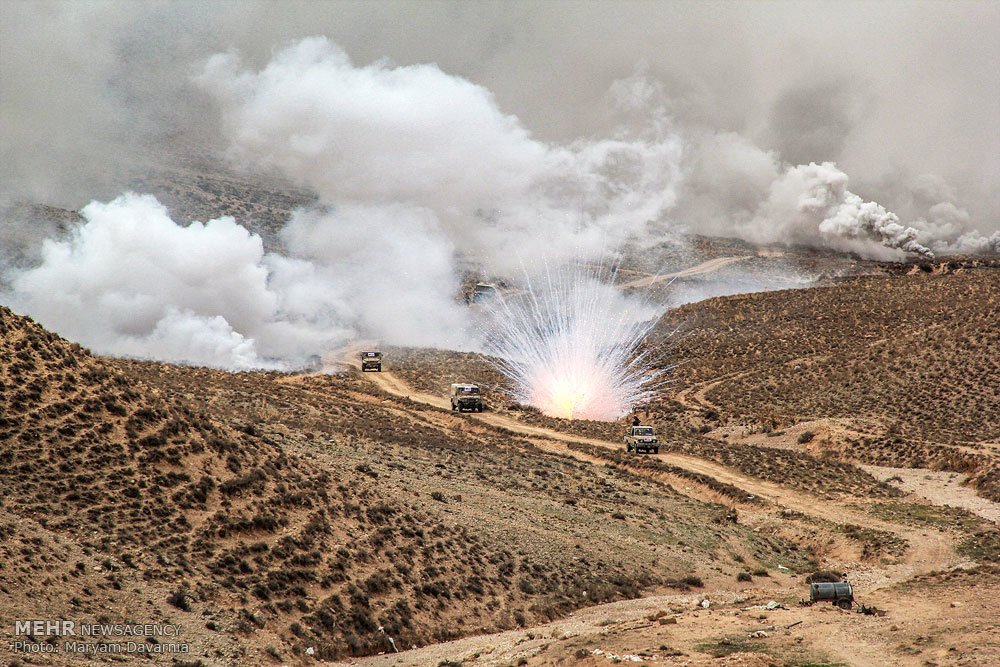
(705, 267)
(929, 550)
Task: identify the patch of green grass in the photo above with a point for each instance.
(982, 546)
(874, 542)
(723, 646)
(930, 516)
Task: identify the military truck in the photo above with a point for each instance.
(483, 292)
(466, 397)
(642, 439)
(371, 361)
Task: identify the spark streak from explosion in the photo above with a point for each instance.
(570, 343)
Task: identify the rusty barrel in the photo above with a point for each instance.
(836, 592)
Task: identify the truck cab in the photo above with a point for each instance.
(642, 439)
(466, 397)
(371, 361)
(483, 292)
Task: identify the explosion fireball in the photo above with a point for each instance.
(570, 344)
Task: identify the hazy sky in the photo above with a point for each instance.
(511, 133)
(892, 90)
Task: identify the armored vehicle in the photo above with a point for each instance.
(466, 397)
(642, 439)
(371, 361)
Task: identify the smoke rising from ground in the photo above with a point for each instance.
(420, 139)
(130, 281)
(414, 168)
(439, 133)
(88, 92)
(734, 188)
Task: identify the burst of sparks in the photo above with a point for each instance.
(570, 343)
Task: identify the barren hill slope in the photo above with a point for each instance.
(900, 370)
(259, 509)
(271, 513)
(728, 406)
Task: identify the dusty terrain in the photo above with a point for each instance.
(290, 518)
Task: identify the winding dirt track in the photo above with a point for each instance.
(705, 267)
(929, 550)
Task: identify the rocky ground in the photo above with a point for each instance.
(290, 518)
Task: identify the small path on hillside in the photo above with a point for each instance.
(938, 488)
(929, 549)
(700, 399)
(705, 267)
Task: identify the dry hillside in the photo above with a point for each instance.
(901, 371)
(352, 513)
(263, 510)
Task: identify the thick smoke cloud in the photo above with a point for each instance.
(414, 168)
(90, 93)
(416, 138)
(810, 204)
(130, 281)
(734, 188)
(929, 202)
(385, 272)
(453, 133)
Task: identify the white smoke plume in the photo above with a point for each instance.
(863, 84)
(734, 188)
(810, 204)
(130, 281)
(417, 169)
(417, 138)
(946, 229)
(385, 272)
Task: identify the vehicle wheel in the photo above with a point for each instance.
(845, 604)
(379, 368)
(656, 450)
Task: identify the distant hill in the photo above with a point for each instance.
(909, 365)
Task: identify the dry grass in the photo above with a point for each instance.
(312, 511)
(911, 363)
